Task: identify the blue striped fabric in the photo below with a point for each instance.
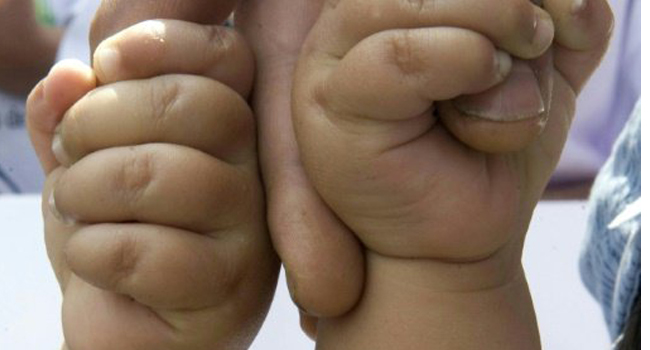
(611, 260)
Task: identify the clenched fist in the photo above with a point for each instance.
(431, 129)
(154, 209)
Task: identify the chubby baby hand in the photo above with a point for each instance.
(153, 205)
(431, 129)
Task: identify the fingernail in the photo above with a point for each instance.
(518, 97)
(66, 220)
(503, 64)
(58, 149)
(107, 62)
(578, 6)
(544, 29)
(46, 84)
(37, 96)
(39, 90)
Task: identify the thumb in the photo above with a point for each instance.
(115, 15)
(583, 29)
(67, 82)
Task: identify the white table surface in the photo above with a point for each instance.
(568, 316)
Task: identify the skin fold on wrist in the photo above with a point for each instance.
(413, 304)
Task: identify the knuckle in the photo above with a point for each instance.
(121, 258)
(406, 54)
(135, 176)
(165, 96)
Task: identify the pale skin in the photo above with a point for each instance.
(452, 290)
(153, 206)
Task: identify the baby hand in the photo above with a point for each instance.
(384, 147)
(153, 206)
(431, 129)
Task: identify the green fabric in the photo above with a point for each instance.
(44, 14)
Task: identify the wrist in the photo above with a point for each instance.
(419, 304)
